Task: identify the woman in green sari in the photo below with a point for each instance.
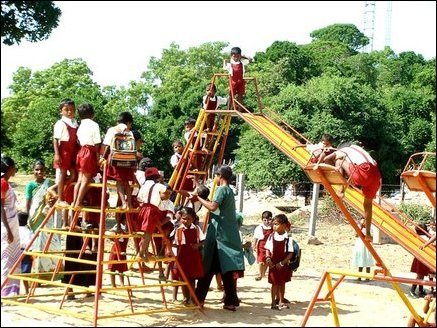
(222, 251)
(37, 206)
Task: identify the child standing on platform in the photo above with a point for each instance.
(260, 235)
(65, 146)
(189, 241)
(122, 175)
(87, 159)
(279, 247)
(235, 67)
(150, 196)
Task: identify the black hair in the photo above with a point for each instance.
(39, 161)
(145, 163)
(190, 121)
(23, 217)
(236, 51)
(177, 142)
(7, 163)
(281, 218)
(66, 102)
(225, 172)
(421, 229)
(211, 86)
(137, 135)
(328, 137)
(125, 117)
(267, 214)
(188, 211)
(203, 191)
(86, 111)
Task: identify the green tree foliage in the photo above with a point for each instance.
(347, 34)
(383, 99)
(263, 164)
(30, 113)
(29, 20)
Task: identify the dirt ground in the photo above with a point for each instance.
(359, 304)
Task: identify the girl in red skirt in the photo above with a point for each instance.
(279, 248)
(189, 241)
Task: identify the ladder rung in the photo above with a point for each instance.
(198, 172)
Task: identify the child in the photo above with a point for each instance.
(279, 249)
(65, 146)
(191, 134)
(150, 195)
(118, 253)
(212, 102)
(87, 165)
(355, 163)
(418, 267)
(25, 237)
(322, 149)
(178, 148)
(426, 308)
(138, 143)
(189, 240)
(260, 235)
(122, 175)
(235, 68)
(361, 256)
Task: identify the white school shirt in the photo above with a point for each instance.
(155, 199)
(278, 237)
(192, 226)
(220, 101)
(112, 131)
(258, 232)
(60, 131)
(25, 236)
(174, 159)
(356, 155)
(88, 133)
(228, 66)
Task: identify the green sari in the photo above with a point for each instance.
(37, 214)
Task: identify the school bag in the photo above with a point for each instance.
(295, 260)
(123, 151)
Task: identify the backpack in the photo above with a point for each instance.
(295, 260)
(123, 151)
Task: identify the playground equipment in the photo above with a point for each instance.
(384, 216)
(141, 282)
(197, 162)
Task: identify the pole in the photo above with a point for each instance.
(314, 204)
(240, 189)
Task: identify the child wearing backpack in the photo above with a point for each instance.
(279, 251)
(122, 175)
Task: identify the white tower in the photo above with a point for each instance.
(388, 24)
(369, 23)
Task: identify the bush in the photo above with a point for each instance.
(418, 213)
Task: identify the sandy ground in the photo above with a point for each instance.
(368, 304)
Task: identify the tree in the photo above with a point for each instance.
(30, 20)
(347, 34)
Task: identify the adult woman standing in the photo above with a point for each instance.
(10, 237)
(222, 249)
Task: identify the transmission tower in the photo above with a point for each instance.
(388, 24)
(369, 23)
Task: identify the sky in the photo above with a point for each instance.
(117, 38)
